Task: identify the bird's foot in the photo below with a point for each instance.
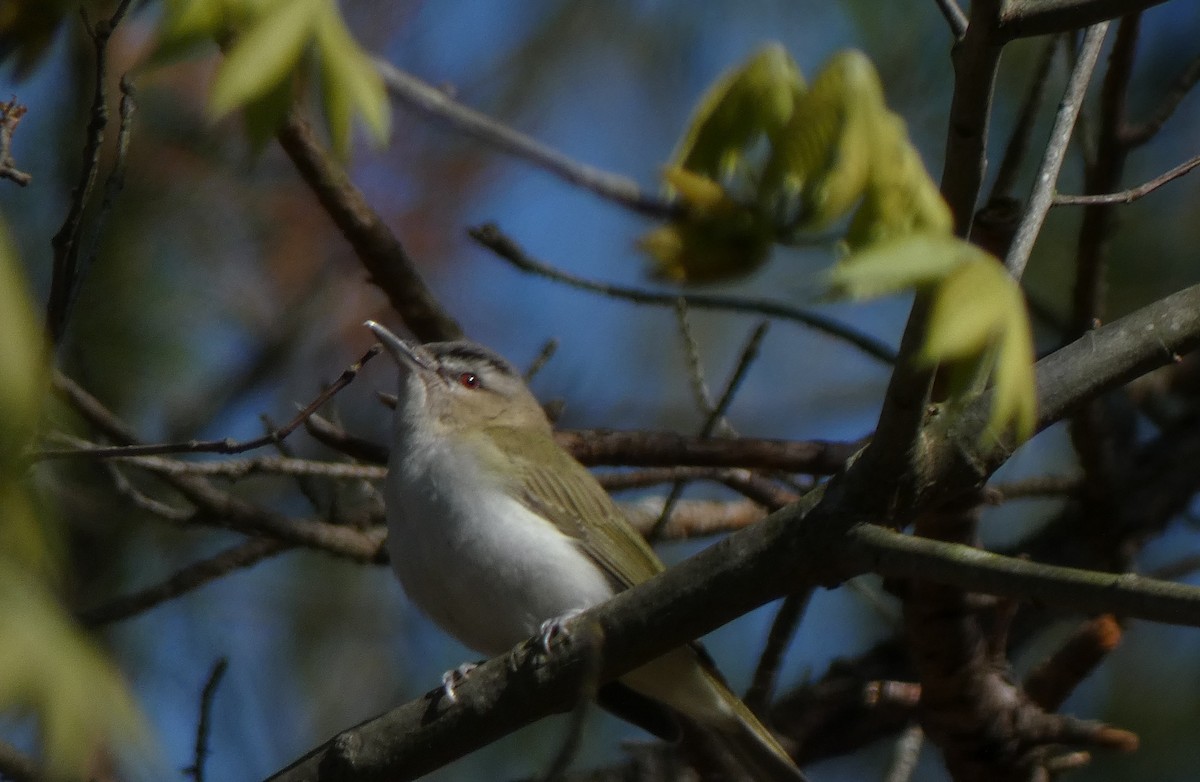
(450, 679)
(555, 628)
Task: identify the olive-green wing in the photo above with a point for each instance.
(549, 482)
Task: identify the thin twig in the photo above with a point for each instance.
(10, 117)
(66, 242)
(185, 580)
(1042, 197)
(544, 355)
(1033, 488)
(748, 355)
(114, 183)
(1018, 140)
(271, 465)
(783, 629)
(490, 236)
(434, 102)
(141, 500)
(227, 445)
(691, 354)
(204, 726)
(1133, 193)
(954, 17)
(1139, 134)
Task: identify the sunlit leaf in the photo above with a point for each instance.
(702, 195)
(906, 263)
(22, 359)
(745, 104)
(821, 159)
(48, 669)
(969, 311)
(1015, 401)
(900, 197)
(264, 54)
(352, 86)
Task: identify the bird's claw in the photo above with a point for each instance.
(451, 678)
(555, 628)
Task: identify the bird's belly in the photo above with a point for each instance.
(487, 569)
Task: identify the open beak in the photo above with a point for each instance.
(401, 351)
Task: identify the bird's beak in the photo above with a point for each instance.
(404, 353)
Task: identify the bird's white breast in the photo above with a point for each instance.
(483, 566)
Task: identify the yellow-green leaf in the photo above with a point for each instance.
(22, 360)
(969, 310)
(265, 54)
(703, 196)
(351, 83)
(821, 159)
(49, 669)
(913, 261)
(745, 104)
(900, 196)
(711, 250)
(1015, 387)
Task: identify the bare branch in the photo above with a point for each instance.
(187, 579)
(954, 16)
(203, 727)
(1042, 197)
(227, 446)
(1132, 194)
(381, 253)
(491, 237)
(66, 242)
(436, 103)
(1025, 18)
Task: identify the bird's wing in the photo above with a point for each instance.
(552, 484)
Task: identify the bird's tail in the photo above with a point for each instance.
(754, 751)
(685, 681)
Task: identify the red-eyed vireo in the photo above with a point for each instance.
(494, 530)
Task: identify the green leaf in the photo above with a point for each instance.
(707, 250)
(351, 83)
(265, 54)
(744, 104)
(1015, 400)
(821, 159)
(900, 196)
(22, 360)
(969, 311)
(49, 669)
(902, 264)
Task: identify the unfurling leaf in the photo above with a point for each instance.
(264, 54)
(978, 315)
(900, 198)
(744, 105)
(822, 158)
(908, 263)
(706, 250)
(351, 84)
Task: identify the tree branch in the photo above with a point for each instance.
(381, 253)
(490, 236)
(1025, 18)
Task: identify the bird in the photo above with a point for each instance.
(498, 534)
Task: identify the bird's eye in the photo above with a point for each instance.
(468, 380)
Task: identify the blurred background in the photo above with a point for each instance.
(222, 292)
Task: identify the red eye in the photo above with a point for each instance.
(469, 380)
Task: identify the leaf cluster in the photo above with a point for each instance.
(767, 157)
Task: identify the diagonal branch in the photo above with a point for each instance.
(380, 252)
